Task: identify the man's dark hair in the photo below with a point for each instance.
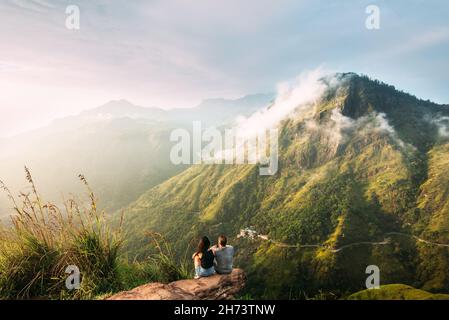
(222, 241)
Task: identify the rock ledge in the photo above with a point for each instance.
(216, 287)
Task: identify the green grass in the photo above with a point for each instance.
(397, 292)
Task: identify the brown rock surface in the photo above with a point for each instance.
(216, 287)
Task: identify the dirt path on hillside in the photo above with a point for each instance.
(386, 241)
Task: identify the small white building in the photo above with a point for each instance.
(247, 233)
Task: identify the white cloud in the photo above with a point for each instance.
(340, 123)
(295, 98)
(340, 126)
(443, 126)
(383, 124)
(380, 123)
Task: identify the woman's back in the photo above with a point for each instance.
(207, 259)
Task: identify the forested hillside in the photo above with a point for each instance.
(361, 172)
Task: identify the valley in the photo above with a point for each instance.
(360, 176)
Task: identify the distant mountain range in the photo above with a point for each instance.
(363, 180)
(121, 148)
(210, 111)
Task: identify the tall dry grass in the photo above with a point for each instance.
(44, 239)
(167, 266)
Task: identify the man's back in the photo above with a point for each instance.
(224, 258)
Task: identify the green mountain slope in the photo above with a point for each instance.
(397, 292)
(359, 174)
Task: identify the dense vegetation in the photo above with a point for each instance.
(367, 164)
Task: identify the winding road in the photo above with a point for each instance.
(386, 241)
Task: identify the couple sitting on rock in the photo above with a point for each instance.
(210, 260)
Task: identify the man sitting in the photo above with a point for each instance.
(224, 256)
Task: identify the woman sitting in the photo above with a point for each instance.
(203, 259)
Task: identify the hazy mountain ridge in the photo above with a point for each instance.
(354, 169)
(210, 111)
(121, 148)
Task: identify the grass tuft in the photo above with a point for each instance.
(43, 240)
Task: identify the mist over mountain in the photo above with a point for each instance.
(363, 179)
(121, 148)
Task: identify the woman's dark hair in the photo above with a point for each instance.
(203, 245)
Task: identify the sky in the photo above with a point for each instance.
(175, 53)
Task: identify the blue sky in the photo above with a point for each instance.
(176, 53)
